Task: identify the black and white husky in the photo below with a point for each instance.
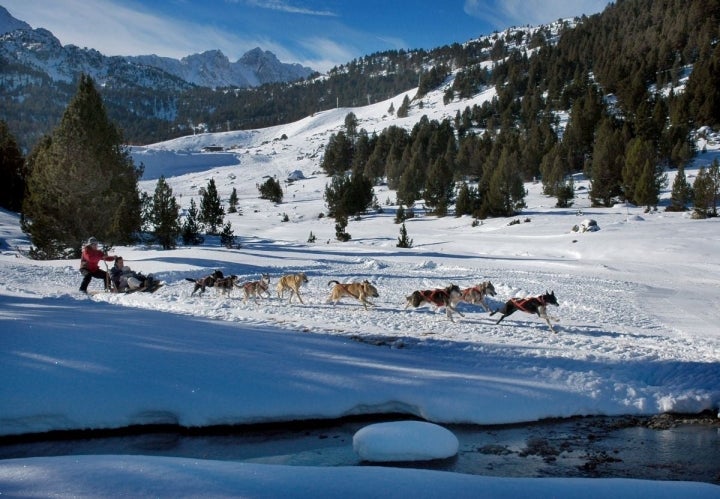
(532, 305)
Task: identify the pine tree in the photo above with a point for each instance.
(606, 166)
(351, 123)
(12, 175)
(81, 182)
(553, 170)
(565, 194)
(404, 108)
(647, 189)
(681, 191)
(348, 195)
(338, 154)
(412, 179)
(361, 156)
(165, 212)
(702, 193)
(637, 180)
(464, 204)
(341, 222)
(191, 228)
(403, 241)
(233, 201)
(714, 174)
(211, 211)
(227, 236)
(439, 186)
(271, 190)
(506, 190)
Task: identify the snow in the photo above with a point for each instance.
(144, 476)
(636, 328)
(404, 441)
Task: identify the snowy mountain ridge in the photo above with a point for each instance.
(39, 50)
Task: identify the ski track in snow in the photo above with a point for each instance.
(597, 320)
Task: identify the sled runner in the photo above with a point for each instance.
(151, 289)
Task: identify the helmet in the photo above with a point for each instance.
(92, 240)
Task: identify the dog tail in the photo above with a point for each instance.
(190, 279)
(333, 282)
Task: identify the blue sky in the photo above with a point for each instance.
(315, 33)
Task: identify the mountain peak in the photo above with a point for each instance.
(258, 56)
(8, 23)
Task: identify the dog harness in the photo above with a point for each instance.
(260, 284)
(523, 303)
(435, 295)
(346, 287)
(479, 289)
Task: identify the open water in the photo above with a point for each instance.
(660, 448)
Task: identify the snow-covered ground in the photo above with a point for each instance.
(637, 327)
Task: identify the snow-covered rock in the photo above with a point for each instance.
(404, 441)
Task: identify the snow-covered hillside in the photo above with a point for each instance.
(636, 322)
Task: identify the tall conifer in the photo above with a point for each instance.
(681, 191)
(165, 215)
(211, 211)
(81, 182)
(191, 227)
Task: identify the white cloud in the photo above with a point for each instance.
(328, 52)
(281, 6)
(502, 14)
(125, 29)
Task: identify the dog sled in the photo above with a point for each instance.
(144, 289)
(149, 289)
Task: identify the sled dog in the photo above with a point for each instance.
(531, 305)
(205, 282)
(226, 284)
(442, 297)
(358, 290)
(257, 289)
(291, 282)
(476, 295)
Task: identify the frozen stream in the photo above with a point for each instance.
(660, 448)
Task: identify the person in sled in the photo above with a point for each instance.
(90, 264)
(125, 279)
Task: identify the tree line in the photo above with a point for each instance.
(629, 49)
(613, 75)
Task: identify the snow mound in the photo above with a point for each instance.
(404, 441)
(426, 265)
(296, 175)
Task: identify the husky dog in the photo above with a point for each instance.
(476, 295)
(205, 282)
(291, 282)
(358, 290)
(257, 288)
(531, 305)
(226, 284)
(443, 297)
